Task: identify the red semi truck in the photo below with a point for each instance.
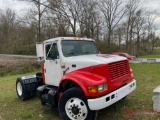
(76, 78)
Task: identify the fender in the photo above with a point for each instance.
(85, 79)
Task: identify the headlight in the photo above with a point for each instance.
(102, 87)
(96, 89)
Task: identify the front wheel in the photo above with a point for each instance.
(73, 106)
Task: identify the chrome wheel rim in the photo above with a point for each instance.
(76, 109)
(19, 88)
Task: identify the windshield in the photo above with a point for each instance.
(78, 47)
(126, 54)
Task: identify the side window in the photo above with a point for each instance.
(52, 51)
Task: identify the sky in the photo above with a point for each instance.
(152, 4)
(20, 6)
(16, 5)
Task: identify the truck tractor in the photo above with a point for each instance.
(76, 78)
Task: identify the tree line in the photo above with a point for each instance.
(116, 25)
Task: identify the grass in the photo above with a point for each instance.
(20, 69)
(150, 56)
(11, 108)
(137, 106)
(13, 66)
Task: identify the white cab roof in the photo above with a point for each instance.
(67, 38)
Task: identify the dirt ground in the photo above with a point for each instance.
(9, 62)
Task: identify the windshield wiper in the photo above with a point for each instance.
(86, 53)
(72, 53)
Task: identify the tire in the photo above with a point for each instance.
(20, 89)
(73, 106)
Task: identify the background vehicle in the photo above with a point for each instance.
(129, 57)
(76, 78)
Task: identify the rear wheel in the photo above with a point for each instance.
(21, 90)
(73, 106)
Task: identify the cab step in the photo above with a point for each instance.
(48, 96)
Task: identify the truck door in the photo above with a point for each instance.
(52, 65)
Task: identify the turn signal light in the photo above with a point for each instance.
(62, 66)
(96, 89)
(93, 89)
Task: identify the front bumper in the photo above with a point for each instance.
(109, 99)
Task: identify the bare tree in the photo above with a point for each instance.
(154, 40)
(119, 33)
(132, 7)
(151, 29)
(69, 9)
(113, 12)
(88, 19)
(140, 21)
(40, 10)
(57, 21)
(35, 16)
(8, 30)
